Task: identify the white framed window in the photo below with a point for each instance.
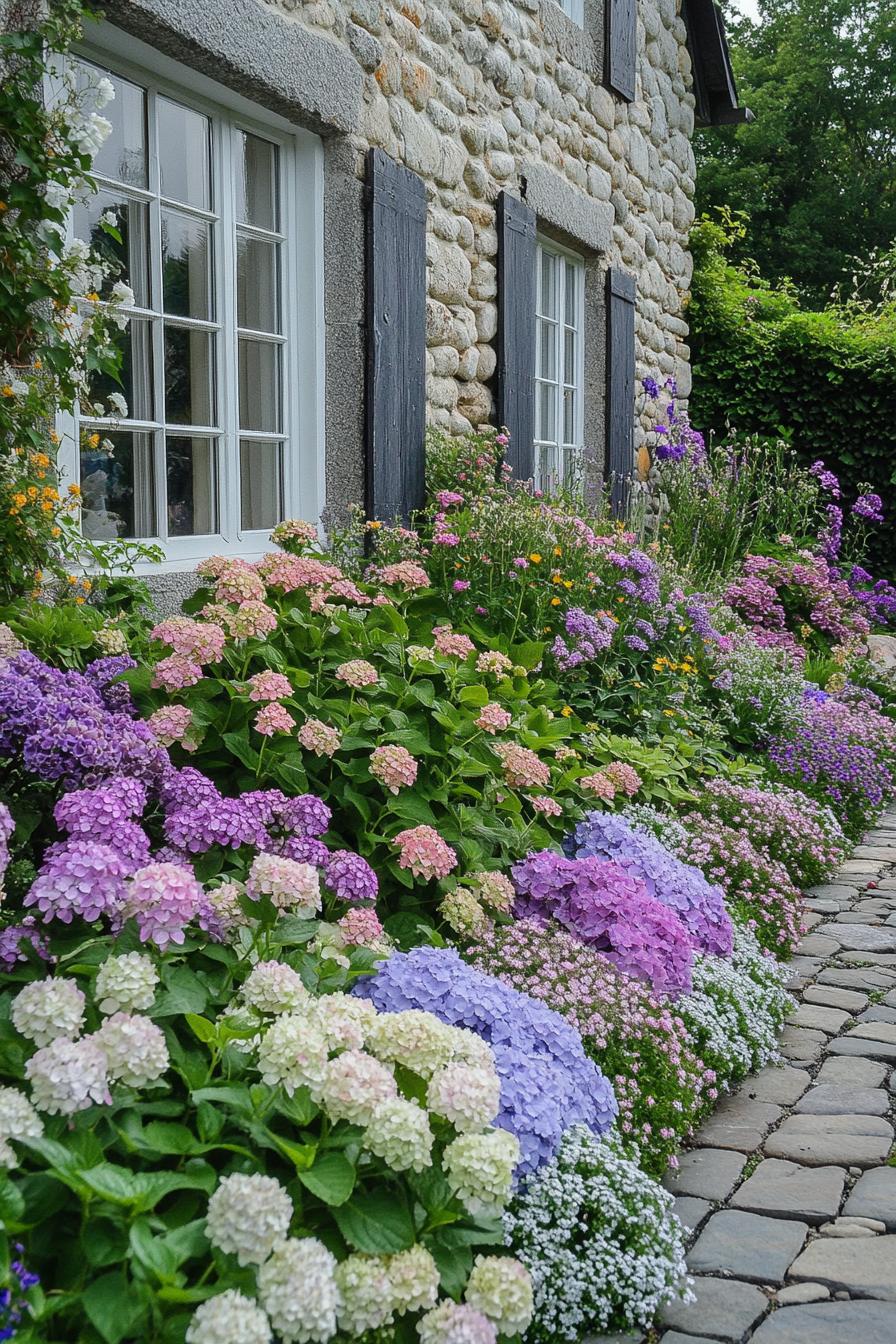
(219, 208)
(559, 367)
(575, 9)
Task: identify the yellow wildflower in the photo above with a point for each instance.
(535, 558)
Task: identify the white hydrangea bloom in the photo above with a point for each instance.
(126, 984)
(413, 1279)
(456, 1323)
(344, 1020)
(229, 1317)
(469, 1048)
(399, 1133)
(501, 1288)
(479, 1168)
(366, 1298)
(293, 1053)
(68, 1076)
(469, 1097)
(274, 987)
(297, 1288)
(18, 1120)
(135, 1049)
(600, 1240)
(49, 1009)
(247, 1216)
(416, 1039)
(354, 1085)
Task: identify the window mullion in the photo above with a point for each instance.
(225, 311)
(157, 326)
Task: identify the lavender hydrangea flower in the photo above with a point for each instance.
(351, 878)
(83, 878)
(547, 1081)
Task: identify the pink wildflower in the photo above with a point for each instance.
(446, 498)
(424, 852)
(394, 766)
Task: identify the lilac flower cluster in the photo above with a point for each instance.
(699, 904)
(768, 587)
(603, 905)
(13, 1300)
(587, 636)
(61, 728)
(678, 440)
(547, 1081)
(877, 598)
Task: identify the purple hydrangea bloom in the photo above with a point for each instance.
(350, 877)
(80, 878)
(303, 850)
(7, 826)
(220, 821)
(106, 811)
(699, 904)
(14, 935)
(548, 1083)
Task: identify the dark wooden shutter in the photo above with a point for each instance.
(396, 338)
(515, 380)
(621, 294)
(621, 46)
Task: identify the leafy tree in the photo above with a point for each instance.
(816, 170)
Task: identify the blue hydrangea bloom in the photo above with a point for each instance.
(699, 904)
(548, 1083)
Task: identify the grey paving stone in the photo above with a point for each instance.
(858, 917)
(818, 1018)
(691, 1212)
(739, 1124)
(832, 891)
(676, 1337)
(864, 1268)
(829, 1099)
(890, 999)
(832, 1140)
(829, 1323)
(801, 1045)
(885, 853)
(875, 1031)
(848, 999)
(858, 1046)
(780, 1084)
(724, 1309)
(796, 1293)
(843, 1071)
(819, 944)
(788, 1190)
(878, 1012)
(747, 1246)
(859, 937)
(858, 868)
(849, 977)
(707, 1173)
(874, 960)
(874, 1196)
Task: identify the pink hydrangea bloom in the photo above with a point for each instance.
(274, 718)
(548, 807)
(172, 724)
(319, 737)
(289, 885)
(237, 581)
(493, 661)
(357, 673)
(450, 643)
(625, 777)
(295, 531)
(394, 766)
(522, 768)
(269, 685)
(493, 718)
(252, 620)
(293, 573)
(176, 672)
(600, 784)
(163, 898)
(198, 641)
(424, 852)
(361, 927)
(404, 574)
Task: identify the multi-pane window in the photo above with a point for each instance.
(198, 198)
(559, 402)
(574, 8)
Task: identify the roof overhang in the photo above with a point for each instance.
(714, 88)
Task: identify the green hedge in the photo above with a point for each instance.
(826, 381)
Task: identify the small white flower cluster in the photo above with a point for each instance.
(70, 1072)
(737, 1008)
(18, 1120)
(598, 1236)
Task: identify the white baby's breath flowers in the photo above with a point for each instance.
(479, 1168)
(364, 1290)
(247, 1216)
(354, 1085)
(399, 1133)
(344, 1020)
(297, 1288)
(134, 1047)
(229, 1317)
(469, 1097)
(68, 1076)
(413, 1279)
(414, 1038)
(274, 987)
(48, 1009)
(293, 1053)
(126, 984)
(501, 1288)
(456, 1323)
(18, 1120)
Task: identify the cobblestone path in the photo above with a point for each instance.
(788, 1190)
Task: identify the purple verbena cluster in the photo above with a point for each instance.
(586, 637)
(548, 1083)
(603, 905)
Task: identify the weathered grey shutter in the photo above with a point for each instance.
(396, 338)
(621, 46)
(621, 294)
(515, 373)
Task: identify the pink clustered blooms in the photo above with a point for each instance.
(172, 723)
(394, 766)
(522, 768)
(319, 738)
(446, 499)
(163, 898)
(548, 807)
(361, 927)
(451, 644)
(491, 660)
(493, 718)
(357, 673)
(269, 685)
(252, 620)
(288, 885)
(403, 574)
(423, 851)
(199, 641)
(617, 777)
(175, 673)
(294, 531)
(273, 718)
